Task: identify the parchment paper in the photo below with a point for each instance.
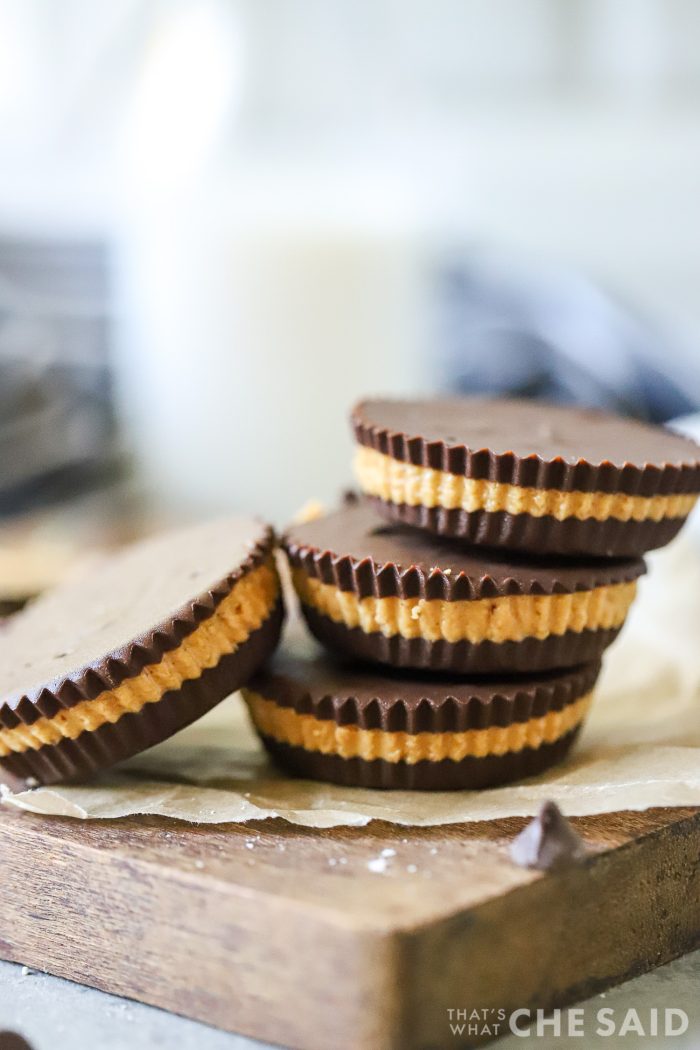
(640, 748)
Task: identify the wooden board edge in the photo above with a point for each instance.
(636, 906)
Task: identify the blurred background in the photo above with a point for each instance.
(222, 221)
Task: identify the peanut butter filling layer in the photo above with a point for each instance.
(287, 726)
(235, 618)
(394, 481)
(510, 618)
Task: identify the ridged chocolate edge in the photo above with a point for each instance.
(529, 471)
(529, 655)
(101, 748)
(90, 680)
(437, 711)
(445, 775)
(367, 578)
(524, 532)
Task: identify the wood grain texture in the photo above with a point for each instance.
(285, 934)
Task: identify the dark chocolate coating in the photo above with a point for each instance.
(469, 774)
(302, 677)
(531, 654)
(312, 682)
(524, 532)
(92, 633)
(354, 551)
(531, 444)
(134, 732)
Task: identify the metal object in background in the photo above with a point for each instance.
(56, 419)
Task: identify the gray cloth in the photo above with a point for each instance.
(510, 328)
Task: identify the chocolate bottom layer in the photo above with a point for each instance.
(134, 732)
(609, 538)
(532, 654)
(446, 775)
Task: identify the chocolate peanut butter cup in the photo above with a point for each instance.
(138, 646)
(330, 720)
(397, 596)
(526, 476)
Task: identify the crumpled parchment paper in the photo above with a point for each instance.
(639, 749)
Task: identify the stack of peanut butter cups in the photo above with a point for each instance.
(465, 596)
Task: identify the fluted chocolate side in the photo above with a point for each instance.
(463, 657)
(134, 732)
(672, 468)
(572, 537)
(86, 681)
(469, 774)
(351, 550)
(560, 480)
(352, 695)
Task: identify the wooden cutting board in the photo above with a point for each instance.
(289, 935)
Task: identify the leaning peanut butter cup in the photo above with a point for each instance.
(137, 647)
(331, 720)
(397, 596)
(526, 476)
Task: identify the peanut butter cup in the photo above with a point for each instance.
(526, 476)
(335, 721)
(397, 596)
(134, 649)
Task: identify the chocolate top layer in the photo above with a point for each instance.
(302, 676)
(122, 613)
(353, 550)
(532, 444)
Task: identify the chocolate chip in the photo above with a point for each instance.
(548, 842)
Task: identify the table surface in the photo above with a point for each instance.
(54, 1014)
